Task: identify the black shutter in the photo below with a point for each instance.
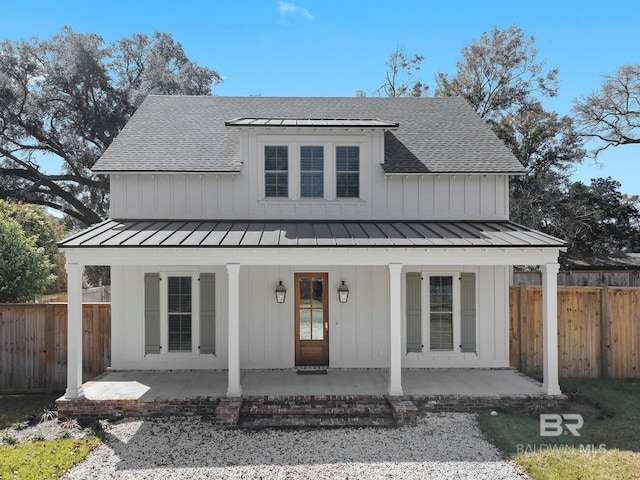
(151, 313)
(468, 312)
(207, 313)
(414, 312)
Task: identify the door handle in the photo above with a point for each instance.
(326, 325)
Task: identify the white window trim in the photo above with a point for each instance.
(293, 144)
(426, 311)
(164, 313)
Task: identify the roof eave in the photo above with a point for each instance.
(460, 172)
(190, 172)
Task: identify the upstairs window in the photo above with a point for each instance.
(276, 171)
(347, 172)
(312, 172)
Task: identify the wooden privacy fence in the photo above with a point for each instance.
(33, 345)
(598, 331)
(598, 336)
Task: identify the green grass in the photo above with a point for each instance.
(19, 408)
(44, 459)
(47, 459)
(609, 445)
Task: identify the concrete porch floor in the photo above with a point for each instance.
(150, 385)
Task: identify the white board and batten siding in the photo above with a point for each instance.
(228, 197)
(358, 330)
(241, 195)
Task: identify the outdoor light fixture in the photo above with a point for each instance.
(343, 293)
(281, 292)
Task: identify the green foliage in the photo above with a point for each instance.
(547, 147)
(611, 115)
(67, 98)
(573, 463)
(98, 275)
(500, 76)
(46, 232)
(24, 268)
(599, 218)
(47, 459)
(562, 456)
(8, 439)
(15, 409)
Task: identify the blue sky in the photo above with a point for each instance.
(333, 48)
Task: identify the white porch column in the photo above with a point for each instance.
(234, 389)
(550, 329)
(395, 329)
(74, 332)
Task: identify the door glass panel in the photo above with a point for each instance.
(305, 292)
(305, 324)
(317, 324)
(317, 292)
(311, 308)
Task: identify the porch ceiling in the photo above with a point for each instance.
(309, 234)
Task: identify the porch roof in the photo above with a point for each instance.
(291, 234)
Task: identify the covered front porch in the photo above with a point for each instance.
(248, 329)
(339, 397)
(150, 385)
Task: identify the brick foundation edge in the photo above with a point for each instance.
(226, 411)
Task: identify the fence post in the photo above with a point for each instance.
(522, 320)
(49, 348)
(604, 331)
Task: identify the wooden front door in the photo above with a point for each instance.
(312, 319)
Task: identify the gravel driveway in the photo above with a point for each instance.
(440, 446)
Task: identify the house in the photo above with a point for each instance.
(274, 233)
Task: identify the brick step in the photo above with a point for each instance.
(302, 421)
(319, 411)
(316, 410)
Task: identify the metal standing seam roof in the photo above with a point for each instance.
(312, 122)
(286, 234)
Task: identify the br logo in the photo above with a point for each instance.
(554, 425)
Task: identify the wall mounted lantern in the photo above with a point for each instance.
(281, 292)
(343, 293)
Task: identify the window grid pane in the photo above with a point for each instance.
(312, 172)
(179, 332)
(276, 176)
(348, 172)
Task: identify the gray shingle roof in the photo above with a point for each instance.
(274, 234)
(188, 133)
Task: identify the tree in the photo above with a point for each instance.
(612, 114)
(547, 146)
(67, 98)
(24, 269)
(598, 218)
(45, 231)
(399, 80)
(499, 73)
